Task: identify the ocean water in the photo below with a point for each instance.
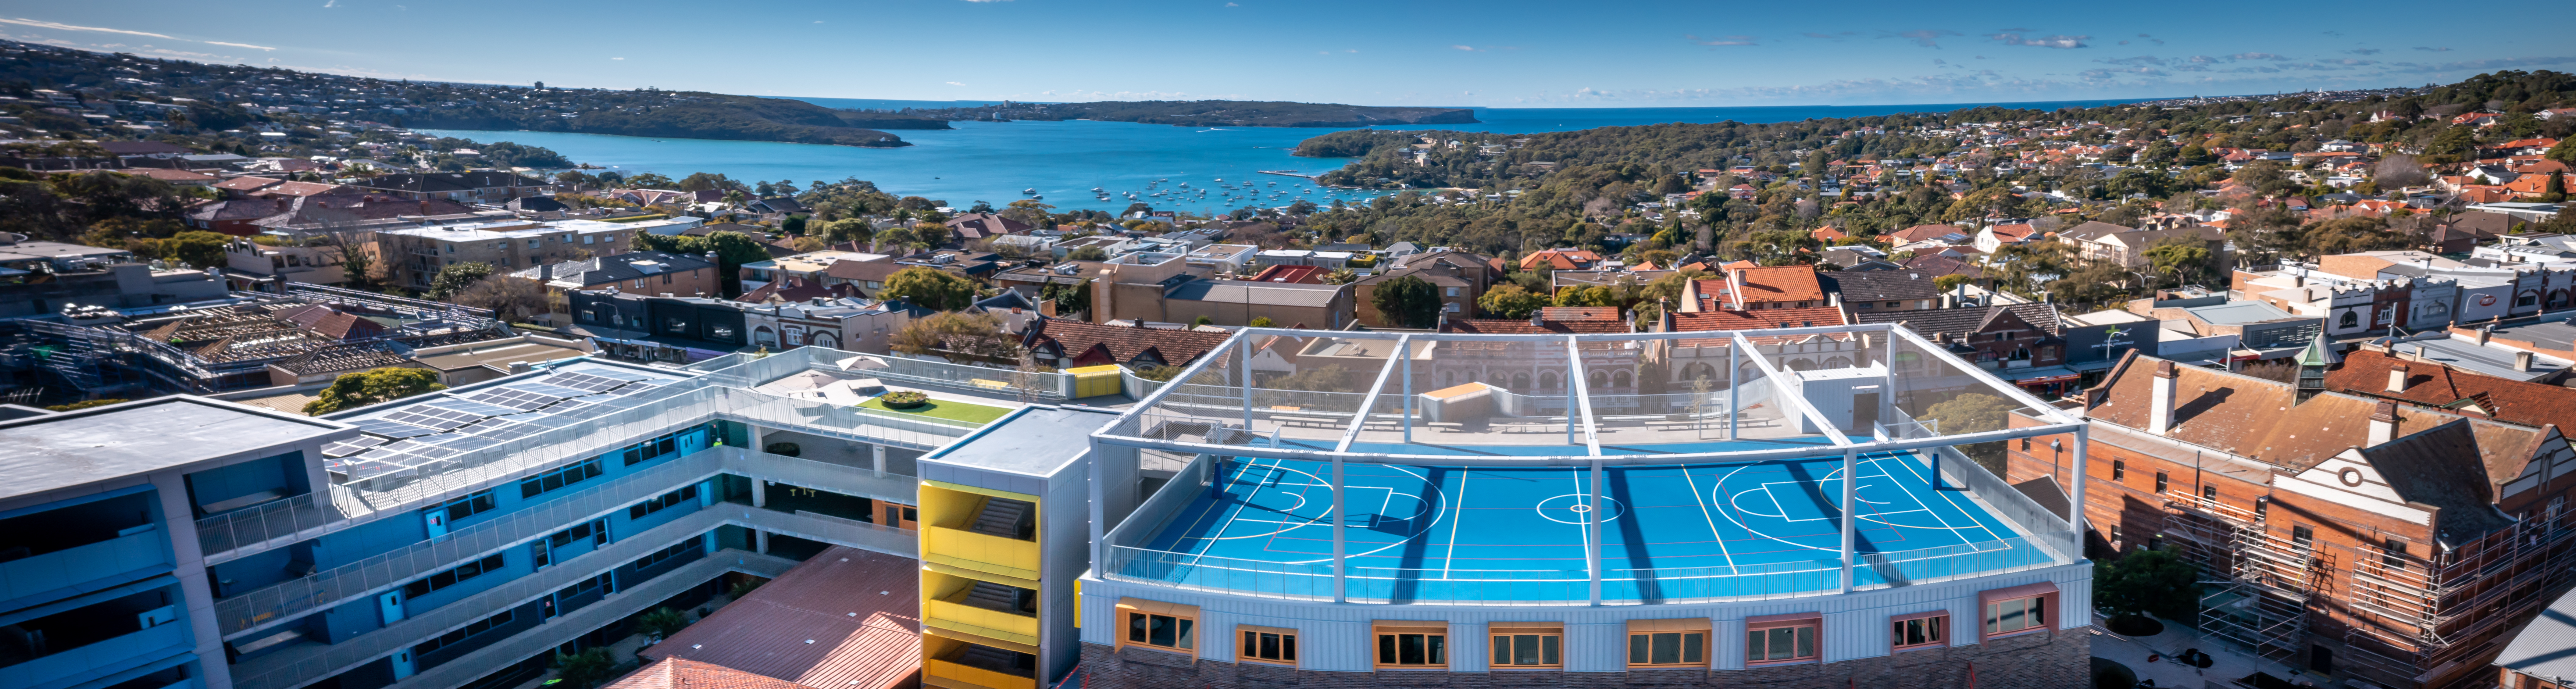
(997, 162)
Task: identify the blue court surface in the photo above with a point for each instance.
(1436, 534)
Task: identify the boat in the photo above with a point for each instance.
(1030, 190)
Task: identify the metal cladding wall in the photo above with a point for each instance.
(1336, 637)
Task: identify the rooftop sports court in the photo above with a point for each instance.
(1701, 531)
(1725, 480)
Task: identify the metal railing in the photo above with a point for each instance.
(274, 604)
(301, 664)
(479, 662)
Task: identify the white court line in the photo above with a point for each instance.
(1228, 520)
(1952, 501)
(1450, 558)
(1705, 514)
(1730, 502)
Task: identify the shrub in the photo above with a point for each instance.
(903, 400)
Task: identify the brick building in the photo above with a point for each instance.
(2354, 536)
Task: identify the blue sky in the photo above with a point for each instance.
(1499, 53)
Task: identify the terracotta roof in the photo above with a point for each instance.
(248, 183)
(1506, 326)
(675, 673)
(845, 619)
(1579, 313)
(1733, 319)
(2250, 417)
(1925, 233)
(1122, 343)
(985, 225)
(1781, 283)
(1561, 259)
(2431, 384)
(1304, 275)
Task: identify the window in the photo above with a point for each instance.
(1920, 630)
(1528, 644)
(2209, 494)
(639, 510)
(532, 243)
(1269, 644)
(469, 630)
(1412, 644)
(585, 586)
(2119, 470)
(452, 577)
(1668, 643)
(2018, 609)
(467, 506)
(665, 554)
(596, 528)
(1156, 624)
(668, 443)
(555, 480)
(2162, 480)
(1774, 639)
(2349, 319)
(2262, 506)
(2393, 552)
(2302, 535)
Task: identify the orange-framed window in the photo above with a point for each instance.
(1919, 630)
(1158, 625)
(1267, 644)
(1418, 645)
(1528, 645)
(2017, 610)
(1668, 643)
(1779, 639)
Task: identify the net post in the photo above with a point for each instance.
(1851, 479)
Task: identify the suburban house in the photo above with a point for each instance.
(1064, 343)
(485, 187)
(1754, 288)
(1458, 277)
(1875, 291)
(980, 226)
(640, 272)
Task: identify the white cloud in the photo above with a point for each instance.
(238, 45)
(330, 4)
(1463, 47)
(956, 83)
(616, 58)
(69, 27)
(2060, 41)
(1721, 41)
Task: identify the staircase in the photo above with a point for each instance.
(1006, 518)
(997, 597)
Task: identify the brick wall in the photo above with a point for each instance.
(2050, 660)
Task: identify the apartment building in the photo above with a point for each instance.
(411, 256)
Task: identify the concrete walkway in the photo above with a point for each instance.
(2226, 663)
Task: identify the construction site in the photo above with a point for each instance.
(221, 346)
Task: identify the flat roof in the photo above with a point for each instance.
(1033, 442)
(58, 451)
(471, 356)
(2540, 649)
(2241, 313)
(2487, 360)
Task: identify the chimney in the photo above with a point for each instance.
(2383, 424)
(2160, 402)
(2522, 361)
(1834, 299)
(1950, 301)
(2299, 280)
(2397, 378)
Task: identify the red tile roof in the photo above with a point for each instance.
(675, 673)
(1561, 259)
(1505, 326)
(2431, 384)
(1306, 275)
(861, 611)
(1731, 319)
(1120, 344)
(1579, 313)
(1781, 283)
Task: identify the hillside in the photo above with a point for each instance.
(689, 115)
(1211, 113)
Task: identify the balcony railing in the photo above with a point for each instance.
(479, 662)
(982, 621)
(685, 403)
(1009, 557)
(975, 676)
(276, 604)
(298, 665)
(168, 639)
(63, 568)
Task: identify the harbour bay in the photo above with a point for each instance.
(1062, 161)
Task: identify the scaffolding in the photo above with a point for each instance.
(214, 349)
(2270, 579)
(2416, 621)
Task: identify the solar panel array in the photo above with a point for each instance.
(417, 437)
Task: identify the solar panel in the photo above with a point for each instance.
(473, 407)
(555, 391)
(435, 418)
(392, 429)
(584, 382)
(497, 428)
(523, 400)
(351, 446)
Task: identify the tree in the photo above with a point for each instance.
(1070, 300)
(661, 623)
(847, 230)
(1088, 253)
(2399, 170)
(2563, 152)
(930, 288)
(1510, 301)
(1262, 322)
(589, 668)
(506, 297)
(702, 181)
(2147, 582)
(2182, 258)
(457, 276)
(362, 388)
(1949, 283)
(197, 248)
(2557, 189)
(956, 334)
(1407, 301)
